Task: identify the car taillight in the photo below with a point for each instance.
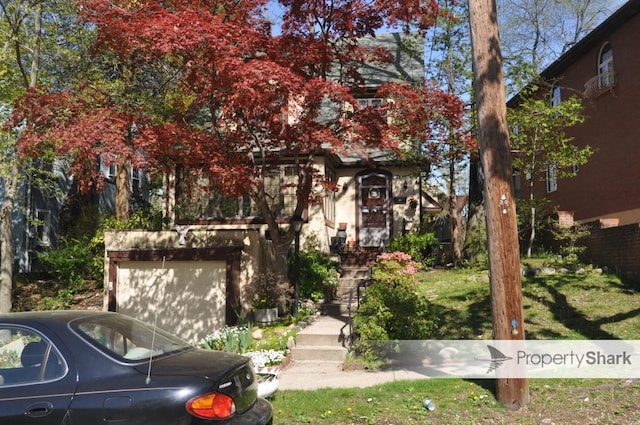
(211, 406)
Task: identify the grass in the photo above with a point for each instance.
(589, 305)
(558, 306)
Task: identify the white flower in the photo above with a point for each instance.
(264, 358)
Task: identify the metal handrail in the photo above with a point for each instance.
(349, 323)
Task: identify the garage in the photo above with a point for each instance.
(187, 296)
(193, 293)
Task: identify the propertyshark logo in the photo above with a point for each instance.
(497, 358)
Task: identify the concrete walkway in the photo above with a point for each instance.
(325, 372)
(315, 375)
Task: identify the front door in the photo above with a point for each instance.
(374, 209)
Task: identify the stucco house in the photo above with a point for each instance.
(195, 273)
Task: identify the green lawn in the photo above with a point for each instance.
(559, 306)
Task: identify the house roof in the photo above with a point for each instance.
(407, 66)
(594, 38)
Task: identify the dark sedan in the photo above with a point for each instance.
(84, 368)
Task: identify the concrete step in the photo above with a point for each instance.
(340, 308)
(324, 353)
(355, 272)
(318, 340)
(350, 287)
(322, 340)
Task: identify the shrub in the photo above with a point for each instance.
(71, 262)
(420, 246)
(393, 308)
(570, 249)
(78, 259)
(318, 274)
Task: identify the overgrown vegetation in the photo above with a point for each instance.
(318, 274)
(421, 246)
(77, 261)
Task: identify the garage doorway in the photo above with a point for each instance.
(192, 297)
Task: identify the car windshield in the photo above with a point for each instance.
(127, 339)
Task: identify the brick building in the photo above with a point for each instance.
(603, 68)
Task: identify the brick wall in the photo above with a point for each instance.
(616, 248)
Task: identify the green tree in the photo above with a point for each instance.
(450, 64)
(542, 149)
(41, 43)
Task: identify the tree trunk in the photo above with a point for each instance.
(6, 240)
(532, 219)
(455, 225)
(502, 232)
(455, 222)
(122, 191)
(471, 248)
(11, 180)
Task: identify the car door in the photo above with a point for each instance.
(36, 385)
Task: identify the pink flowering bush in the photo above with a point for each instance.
(394, 308)
(392, 264)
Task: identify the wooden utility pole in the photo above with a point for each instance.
(502, 231)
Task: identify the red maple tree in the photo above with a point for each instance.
(237, 100)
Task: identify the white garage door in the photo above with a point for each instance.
(189, 296)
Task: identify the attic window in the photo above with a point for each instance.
(370, 102)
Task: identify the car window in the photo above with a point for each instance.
(26, 357)
(127, 339)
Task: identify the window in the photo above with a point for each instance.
(43, 227)
(199, 197)
(552, 178)
(606, 76)
(289, 190)
(370, 102)
(137, 180)
(27, 358)
(125, 339)
(330, 196)
(517, 184)
(110, 171)
(605, 61)
(556, 96)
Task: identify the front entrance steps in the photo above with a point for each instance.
(327, 338)
(324, 340)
